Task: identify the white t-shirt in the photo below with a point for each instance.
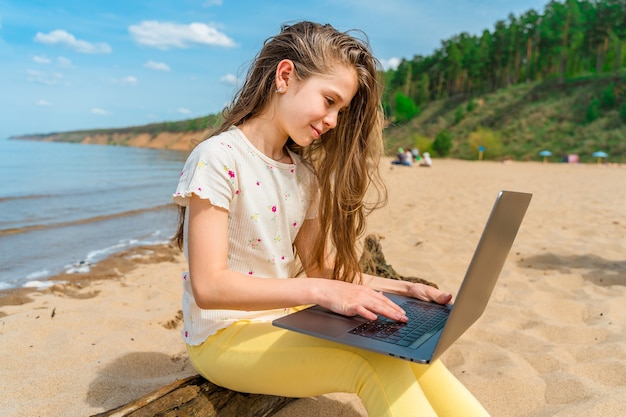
(267, 201)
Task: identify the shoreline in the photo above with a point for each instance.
(65, 206)
(552, 341)
(115, 266)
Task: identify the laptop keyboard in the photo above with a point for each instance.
(424, 319)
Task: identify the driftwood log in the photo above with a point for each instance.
(373, 262)
(195, 396)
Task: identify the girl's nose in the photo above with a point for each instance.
(331, 120)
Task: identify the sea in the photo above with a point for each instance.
(65, 206)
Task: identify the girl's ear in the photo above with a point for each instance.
(284, 74)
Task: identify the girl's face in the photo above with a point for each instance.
(310, 108)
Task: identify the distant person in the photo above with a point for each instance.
(426, 161)
(415, 153)
(403, 158)
(282, 182)
(408, 157)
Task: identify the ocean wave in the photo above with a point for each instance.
(31, 228)
(36, 280)
(40, 285)
(38, 274)
(39, 279)
(25, 197)
(5, 286)
(153, 181)
(95, 256)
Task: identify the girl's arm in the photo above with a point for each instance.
(214, 286)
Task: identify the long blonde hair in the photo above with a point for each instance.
(346, 158)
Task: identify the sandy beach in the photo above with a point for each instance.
(552, 341)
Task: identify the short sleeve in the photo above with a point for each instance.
(209, 173)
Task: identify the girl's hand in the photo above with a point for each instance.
(420, 291)
(351, 299)
(428, 293)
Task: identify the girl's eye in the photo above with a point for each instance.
(330, 101)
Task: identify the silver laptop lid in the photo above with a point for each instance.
(483, 272)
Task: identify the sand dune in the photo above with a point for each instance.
(552, 341)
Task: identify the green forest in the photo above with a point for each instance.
(546, 80)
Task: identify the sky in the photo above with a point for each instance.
(76, 64)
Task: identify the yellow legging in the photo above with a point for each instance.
(262, 359)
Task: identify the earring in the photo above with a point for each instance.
(279, 89)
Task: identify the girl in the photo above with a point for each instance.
(278, 192)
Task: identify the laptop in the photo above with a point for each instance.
(432, 328)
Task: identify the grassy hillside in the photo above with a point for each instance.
(122, 136)
(180, 135)
(581, 116)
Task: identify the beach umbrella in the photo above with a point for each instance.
(600, 155)
(545, 155)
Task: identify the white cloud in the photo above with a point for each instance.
(61, 61)
(391, 63)
(99, 111)
(41, 77)
(128, 80)
(61, 37)
(229, 79)
(64, 62)
(166, 35)
(157, 66)
(183, 110)
(43, 103)
(41, 59)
